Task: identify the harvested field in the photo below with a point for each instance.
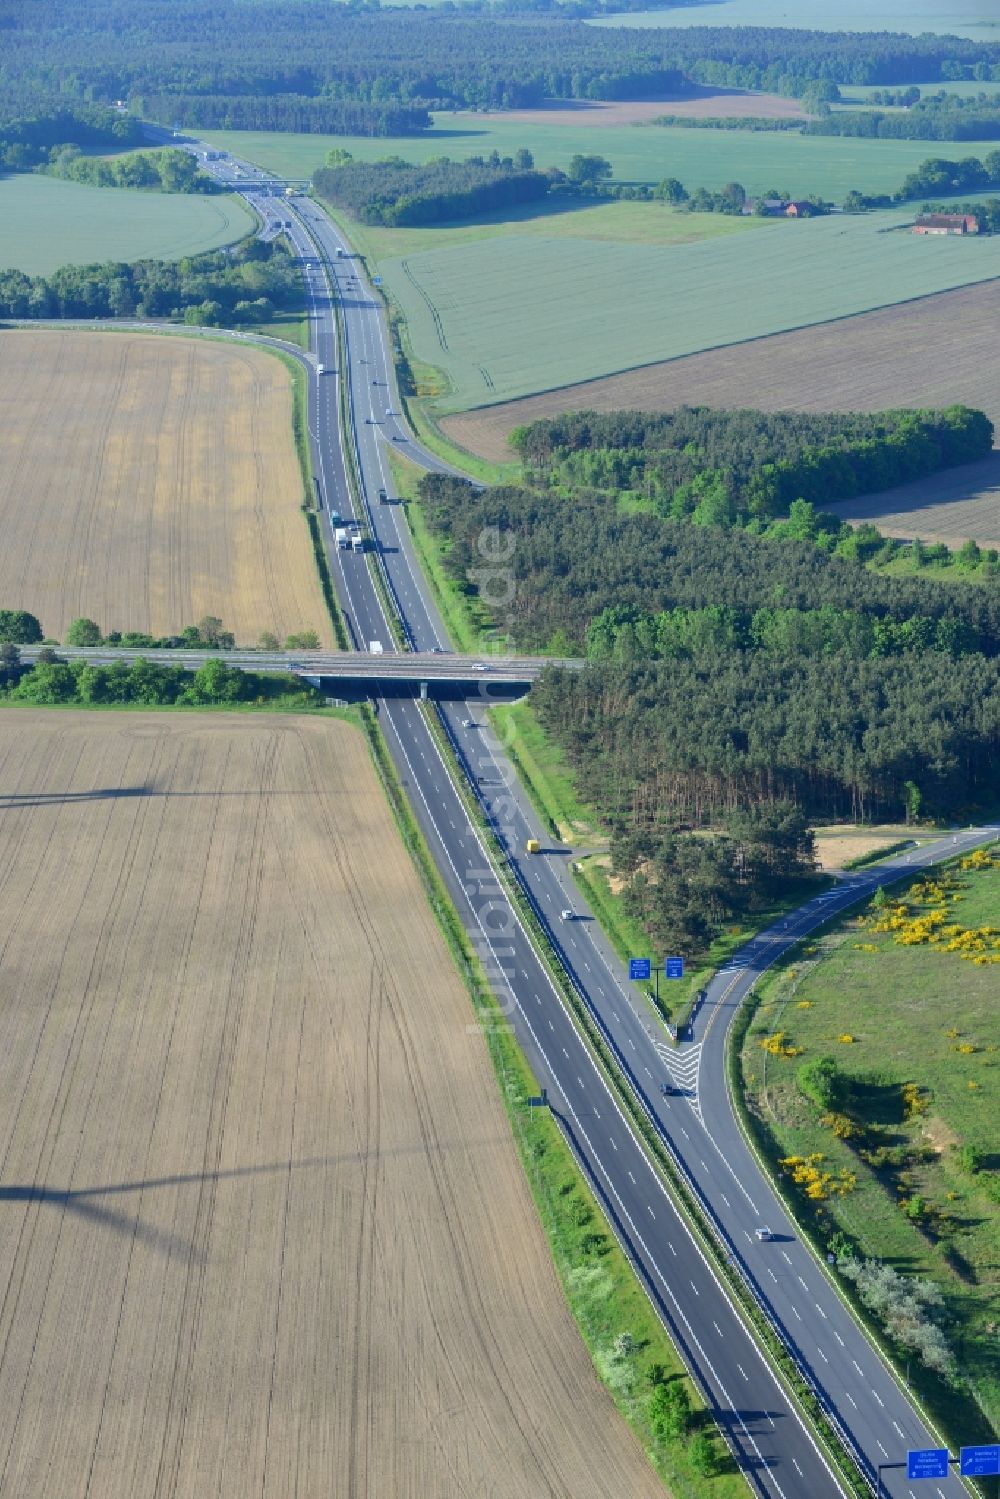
(730, 103)
(838, 845)
(149, 481)
(931, 352)
(264, 1229)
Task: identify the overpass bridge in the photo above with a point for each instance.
(440, 675)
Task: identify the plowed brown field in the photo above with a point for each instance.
(263, 1230)
(933, 352)
(149, 481)
(697, 104)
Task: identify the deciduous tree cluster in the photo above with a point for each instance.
(396, 192)
(243, 284)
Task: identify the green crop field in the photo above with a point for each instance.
(46, 223)
(892, 1014)
(621, 223)
(786, 161)
(509, 316)
(973, 18)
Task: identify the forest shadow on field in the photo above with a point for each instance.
(520, 213)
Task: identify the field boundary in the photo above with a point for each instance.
(733, 343)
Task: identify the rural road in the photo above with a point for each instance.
(769, 1440)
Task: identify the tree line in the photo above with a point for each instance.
(297, 112)
(936, 175)
(243, 284)
(624, 632)
(144, 684)
(396, 192)
(737, 467)
(185, 50)
(31, 140)
(166, 171)
(942, 117)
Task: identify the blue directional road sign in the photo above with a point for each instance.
(639, 968)
(674, 968)
(927, 1462)
(376, 281)
(979, 1462)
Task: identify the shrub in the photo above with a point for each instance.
(702, 1455)
(83, 632)
(670, 1410)
(823, 1083)
(970, 1158)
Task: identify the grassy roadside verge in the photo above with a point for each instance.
(464, 629)
(619, 1326)
(899, 1158)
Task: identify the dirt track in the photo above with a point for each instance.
(262, 1227)
(934, 352)
(149, 481)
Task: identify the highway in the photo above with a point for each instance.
(760, 1422)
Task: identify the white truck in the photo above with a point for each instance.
(357, 543)
(343, 539)
(375, 648)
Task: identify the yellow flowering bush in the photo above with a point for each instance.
(818, 1185)
(778, 1046)
(911, 926)
(915, 1101)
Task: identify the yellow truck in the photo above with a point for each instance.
(533, 846)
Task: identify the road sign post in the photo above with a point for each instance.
(979, 1462)
(927, 1462)
(674, 968)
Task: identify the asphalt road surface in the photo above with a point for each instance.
(769, 1440)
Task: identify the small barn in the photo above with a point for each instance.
(946, 223)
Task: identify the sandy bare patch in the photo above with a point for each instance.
(706, 104)
(932, 352)
(263, 1229)
(149, 481)
(837, 846)
(939, 1135)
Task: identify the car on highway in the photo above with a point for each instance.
(764, 1235)
(321, 369)
(566, 915)
(668, 1090)
(467, 723)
